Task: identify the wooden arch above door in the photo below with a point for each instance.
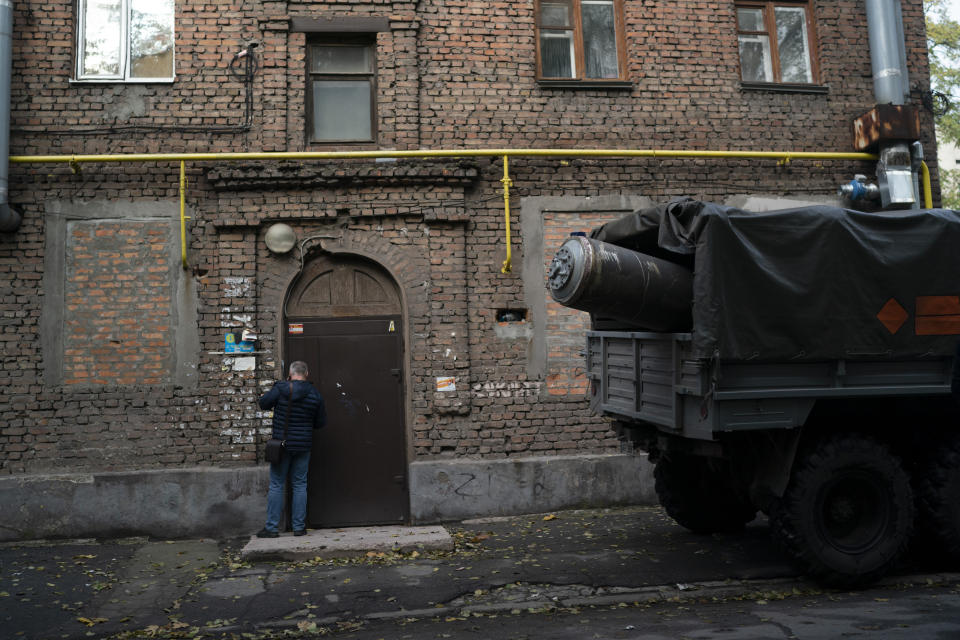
(343, 287)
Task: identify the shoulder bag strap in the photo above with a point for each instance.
(286, 420)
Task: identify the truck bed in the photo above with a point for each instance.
(653, 378)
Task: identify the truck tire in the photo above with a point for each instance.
(702, 494)
(847, 513)
(938, 499)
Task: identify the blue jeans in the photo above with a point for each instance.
(296, 465)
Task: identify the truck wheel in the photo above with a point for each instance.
(702, 494)
(847, 513)
(938, 498)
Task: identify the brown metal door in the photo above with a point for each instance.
(344, 321)
(358, 465)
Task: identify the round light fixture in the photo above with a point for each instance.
(280, 238)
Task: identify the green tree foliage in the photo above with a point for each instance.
(943, 43)
(950, 188)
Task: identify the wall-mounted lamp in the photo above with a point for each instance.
(280, 238)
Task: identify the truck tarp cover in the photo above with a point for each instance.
(809, 283)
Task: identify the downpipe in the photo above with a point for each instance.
(887, 56)
(10, 218)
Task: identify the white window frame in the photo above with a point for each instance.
(124, 76)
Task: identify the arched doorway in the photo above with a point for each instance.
(344, 318)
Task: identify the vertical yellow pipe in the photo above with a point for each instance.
(183, 219)
(507, 183)
(927, 189)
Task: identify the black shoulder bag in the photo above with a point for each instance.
(274, 449)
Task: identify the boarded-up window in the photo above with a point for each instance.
(117, 320)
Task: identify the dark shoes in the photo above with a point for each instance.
(266, 533)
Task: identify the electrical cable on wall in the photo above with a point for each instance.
(243, 66)
(937, 102)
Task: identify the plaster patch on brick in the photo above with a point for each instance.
(506, 389)
(238, 287)
(239, 436)
(127, 103)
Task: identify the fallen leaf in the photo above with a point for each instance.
(549, 517)
(91, 621)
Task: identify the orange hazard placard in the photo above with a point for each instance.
(893, 315)
(938, 315)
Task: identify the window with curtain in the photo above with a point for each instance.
(341, 92)
(125, 40)
(776, 42)
(580, 40)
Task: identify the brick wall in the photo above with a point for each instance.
(449, 75)
(118, 300)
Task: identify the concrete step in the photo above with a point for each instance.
(346, 542)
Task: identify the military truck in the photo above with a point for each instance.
(794, 362)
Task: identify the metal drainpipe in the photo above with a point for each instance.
(899, 166)
(902, 46)
(889, 74)
(10, 218)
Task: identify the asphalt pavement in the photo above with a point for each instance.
(142, 588)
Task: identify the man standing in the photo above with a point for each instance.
(297, 407)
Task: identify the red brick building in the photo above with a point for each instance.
(455, 389)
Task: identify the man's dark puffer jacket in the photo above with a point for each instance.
(306, 413)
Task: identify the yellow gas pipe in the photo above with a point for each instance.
(183, 217)
(507, 183)
(781, 156)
